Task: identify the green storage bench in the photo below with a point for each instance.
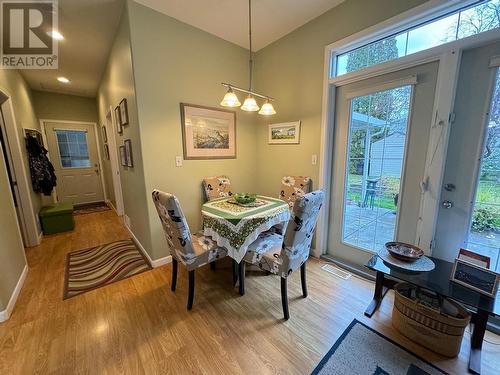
(57, 218)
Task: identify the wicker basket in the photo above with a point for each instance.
(439, 328)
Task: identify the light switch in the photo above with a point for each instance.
(178, 161)
(314, 159)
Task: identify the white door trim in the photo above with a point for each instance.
(448, 56)
(99, 156)
(30, 219)
(113, 159)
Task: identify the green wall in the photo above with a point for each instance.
(291, 70)
(118, 83)
(174, 63)
(12, 259)
(54, 106)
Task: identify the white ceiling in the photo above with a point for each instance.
(89, 28)
(228, 19)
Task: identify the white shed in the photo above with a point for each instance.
(390, 150)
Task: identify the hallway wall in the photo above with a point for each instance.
(52, 106)
(118, 83)
(177, 63)
(12, 259)
(13, 85)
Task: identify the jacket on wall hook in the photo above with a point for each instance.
(43, 177)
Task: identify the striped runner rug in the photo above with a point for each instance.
(102, 265)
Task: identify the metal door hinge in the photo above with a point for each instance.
(452, 117)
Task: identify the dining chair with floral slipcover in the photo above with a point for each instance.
(282, 255)
(216, 187)
(192, 250)
(293, 187)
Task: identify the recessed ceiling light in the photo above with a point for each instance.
(55, 34)
(63, 79)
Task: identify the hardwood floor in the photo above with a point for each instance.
(138, 326)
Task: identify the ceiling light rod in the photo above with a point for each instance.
(229, 86)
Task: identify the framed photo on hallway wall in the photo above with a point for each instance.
(128, 153)
(123, 156)
(208, 133)
(123, 112)
(119, 128)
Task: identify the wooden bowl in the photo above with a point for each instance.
(404, 251)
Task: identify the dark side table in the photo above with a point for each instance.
(438, 281)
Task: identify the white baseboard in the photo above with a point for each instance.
(154, 263)
(5, 314)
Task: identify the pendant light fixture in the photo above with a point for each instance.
(250, 104)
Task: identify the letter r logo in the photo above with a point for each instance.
(25, 26)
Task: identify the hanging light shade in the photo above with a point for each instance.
(250, 105)
(230, 99)
(267, 109)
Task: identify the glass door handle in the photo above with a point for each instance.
(447, 204)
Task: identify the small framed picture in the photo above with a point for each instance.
(128, 153)
(106, 151)
(123, 112)
(284, 133)
(104, 134)
(123, 156)
(475, 277)
(119, 128)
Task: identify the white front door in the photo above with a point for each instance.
(73, 152)
(470, 213)
(382, 128)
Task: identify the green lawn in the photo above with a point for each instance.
(386, 190)
(487, 199)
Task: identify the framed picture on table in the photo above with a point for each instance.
(475, 277)
(208, 133)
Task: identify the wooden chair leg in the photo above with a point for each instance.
(241, 277)
(212, 266)
(303, 280)
(174, 274)
(235, 273)
(191, 290)
(284, 298)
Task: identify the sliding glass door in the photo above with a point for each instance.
(382, 128)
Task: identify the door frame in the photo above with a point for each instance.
(113, 152)
(98, 144)
(29, 224)
(448, 55)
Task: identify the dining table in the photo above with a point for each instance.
(235, 226)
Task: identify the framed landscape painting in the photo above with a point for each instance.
(208, 133)
(284, 133)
